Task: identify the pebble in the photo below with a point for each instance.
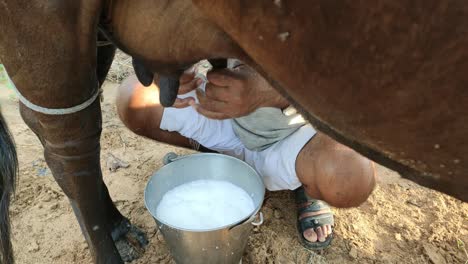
(256, 229)
(160, 237)
(47, 199)
(53, 206)
(33, 247)
(113, 163)
(433, 253)
(84, 246)
(353, 253)
(277, 214)
(398, 236)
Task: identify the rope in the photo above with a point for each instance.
(54, 111)
(102, 43)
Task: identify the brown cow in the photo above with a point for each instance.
(388, 78)
(384, 77)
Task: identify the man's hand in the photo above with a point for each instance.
(230, 93)
(187, 83)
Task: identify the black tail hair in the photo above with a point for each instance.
(8, 172)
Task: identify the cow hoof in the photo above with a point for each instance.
(129, 240)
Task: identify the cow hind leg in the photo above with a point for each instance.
(71, 149)
(105, 56)
(129, 239)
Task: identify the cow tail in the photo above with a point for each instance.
(8, 172)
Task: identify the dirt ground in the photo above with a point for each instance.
(400, 223)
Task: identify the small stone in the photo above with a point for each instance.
(398, 236)
(353, 252)
(33, 247)
(433, 253)
(53, 206)
(284, 260)
(113, 163)
(256, 229)
(413, 202)
(277, 214)
(160, 237)
(437, 146)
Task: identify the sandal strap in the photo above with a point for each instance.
(303, 200)
(313, 206)
(316, 221)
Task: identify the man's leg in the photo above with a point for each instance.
(334, 173)
(139, 109)
(327, 170)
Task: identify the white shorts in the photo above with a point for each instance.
(276, 164)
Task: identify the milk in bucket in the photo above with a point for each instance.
(204, 204)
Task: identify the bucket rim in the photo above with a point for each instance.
(246, 219)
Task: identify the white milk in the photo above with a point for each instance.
(204, 204)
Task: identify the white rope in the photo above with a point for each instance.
(53, 111)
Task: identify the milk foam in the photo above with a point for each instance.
(204, 204)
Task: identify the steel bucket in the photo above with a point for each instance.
(222, 245)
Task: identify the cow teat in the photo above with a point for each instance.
(168, 89)
(144, 75)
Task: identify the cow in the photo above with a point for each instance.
(387, 78)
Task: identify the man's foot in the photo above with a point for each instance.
(315, 221)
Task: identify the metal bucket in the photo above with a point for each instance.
(221, 245)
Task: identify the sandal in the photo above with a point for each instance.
(308, 205)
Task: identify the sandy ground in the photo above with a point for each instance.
(400, 223)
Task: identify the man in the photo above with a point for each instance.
(239, 114)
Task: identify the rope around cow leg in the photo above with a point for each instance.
(54, 111)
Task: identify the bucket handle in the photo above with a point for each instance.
(260, 220)
(171, 157)
(258, 223)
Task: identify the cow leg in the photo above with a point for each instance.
(129, 239)
(105, 56)
(54, 66)
(71, 149)
(74, 161)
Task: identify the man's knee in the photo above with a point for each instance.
(351, 179)
(138, 106)
(341, 176)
